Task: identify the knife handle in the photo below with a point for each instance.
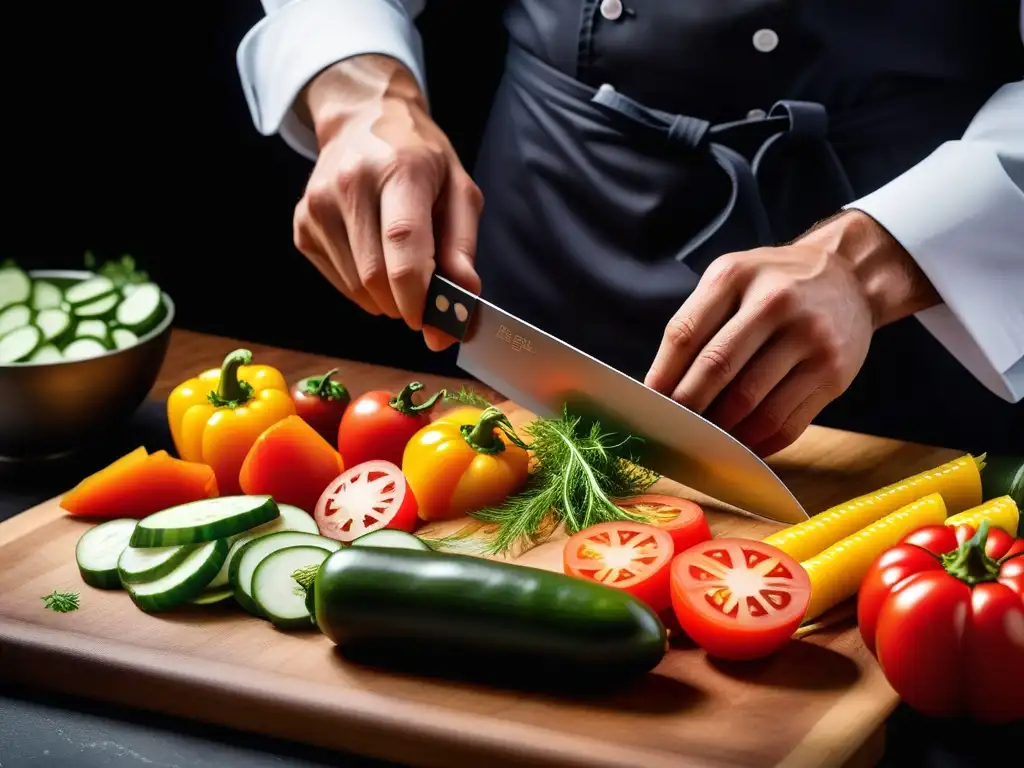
(449, 308)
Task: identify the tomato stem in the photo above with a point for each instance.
(969, 562)
(402, 402)
(324, 387)
(232, 392)
(483, 436)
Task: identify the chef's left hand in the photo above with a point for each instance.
(771, 336)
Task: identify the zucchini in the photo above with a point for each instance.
(90, 290)
(457, 612)
(101, 308)
(141, 309)
(204, 520)
(15, 286)
(54, 323)
(20, 344)
(138, 564)
(391, 539)
(280, 597)
(98, 550)
(210, 596)
(252, 553)
(82, 349)
(45, 295)
(291, 519)
(14, 316)
(123, 338)
(186, 582)
(93, 329)
(46, 354)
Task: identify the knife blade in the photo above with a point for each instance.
(544, 374)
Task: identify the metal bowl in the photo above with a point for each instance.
(51, 409)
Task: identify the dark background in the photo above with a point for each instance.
(126, 131)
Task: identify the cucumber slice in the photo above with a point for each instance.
(20, 344)
(15, 316)
(98, 550)
(101, 308)
(92, 329)
(141, 309)
(138, 564)
(46, 295)
(54, 323)
(279, 597)
(186, 582)
(391, 540)
(204, 520)
(210, 596)
(47, 354)
(89, 291)
(291, 519)
(253, 552)
(15, 286)
(123, 338)
(82, 349)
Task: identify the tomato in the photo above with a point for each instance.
(463, 462)
(684, 520)
(633, 557)
(366, 498)
(377, 425)
(321, 402)
(947, 626)
(291, 462)
(1015, 550)
(739, 599)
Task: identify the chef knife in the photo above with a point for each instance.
(544, 374)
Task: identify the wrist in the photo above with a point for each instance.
(891, 282)
(348, 87)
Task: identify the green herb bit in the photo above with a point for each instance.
(61, 602)
(121, 272)
(467, 396)
(306, 575)
(576, 478)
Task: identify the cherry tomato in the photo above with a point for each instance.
(684, 520)
(739, 599)
(1015, 550)
(633, 557)
(378, 425)
(321, 402)
(366, 498)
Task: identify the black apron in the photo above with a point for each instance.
(631, 143)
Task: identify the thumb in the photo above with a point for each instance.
(458, 219)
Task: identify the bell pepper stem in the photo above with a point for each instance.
(231, 391)
(482, 436)
(402, 402)
(969, 562)
(324, 387)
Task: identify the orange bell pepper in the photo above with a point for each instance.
(292, 462)
(464, 461)
(216, 416)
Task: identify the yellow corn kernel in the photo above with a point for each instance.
(837, 572)
(1001, 512)
(958, 481)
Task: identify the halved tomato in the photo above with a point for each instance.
(739, 599)
(633, 557)
(366, 498)
(684, 520)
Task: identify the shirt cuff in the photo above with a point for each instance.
(286, 49)
(961, 217)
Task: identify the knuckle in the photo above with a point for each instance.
(372, 274)
(680, 331)
(742, 398)
(400, 231)
(716, 362)
(403, 272)
(320, 201)
(409, 162)
(726, 268)
(352, 174)
(468, 189)
(780, 302)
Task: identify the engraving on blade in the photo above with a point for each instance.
(449, 307)
(677, 442)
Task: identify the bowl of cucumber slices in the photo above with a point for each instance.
(79, 352)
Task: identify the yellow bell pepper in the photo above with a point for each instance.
(215, 417)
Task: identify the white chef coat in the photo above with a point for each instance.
(959, 212)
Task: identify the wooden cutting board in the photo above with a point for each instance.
(822, 701)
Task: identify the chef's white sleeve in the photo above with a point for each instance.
(299, 38)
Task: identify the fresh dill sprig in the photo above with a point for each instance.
(121, 272)
(578, 474)
(61, 602)
(467, 396)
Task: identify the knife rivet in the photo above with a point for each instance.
(441, 302)
(461, 313)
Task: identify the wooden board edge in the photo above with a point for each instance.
(344, 720)
(30, 520)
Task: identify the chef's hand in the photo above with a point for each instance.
(388, 195)
(771, 336)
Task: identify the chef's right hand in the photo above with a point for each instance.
(388, 196)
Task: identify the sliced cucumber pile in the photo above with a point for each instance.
(46, 320)
(207, 552)
(390, 539)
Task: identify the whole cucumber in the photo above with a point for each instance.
(444, 608)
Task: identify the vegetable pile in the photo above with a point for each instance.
(49, 320)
